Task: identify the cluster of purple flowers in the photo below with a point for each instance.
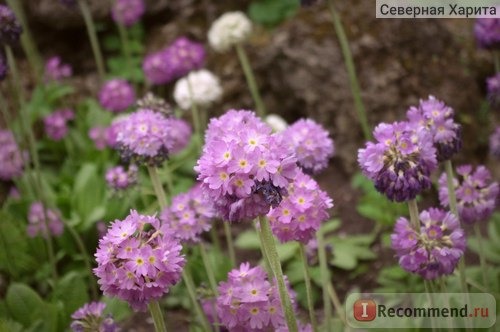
(486, 31)
(189, 215)
(433, 250)
(119, 179)
(11, 158)
(493, 89)
(301, 213)
(116, 95)
(244, 172)
(38, 225)
(435, 116)
(56, 123)
(401, 161)
(477, 194)
(181, 133)
(312, 144)
(495, 143)
(127, 12)
(174, 61)
(90, 318)
(10, 28)
(56, 70)
(137, 260)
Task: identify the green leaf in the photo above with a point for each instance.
(14, 256)
(348, 251)
(118, 308)
(286, 251)
(24, 304)
(71, 290)
(248, 240)
(330, 226)
(7, 325)
(272, 12)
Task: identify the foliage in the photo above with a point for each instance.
(271, 13)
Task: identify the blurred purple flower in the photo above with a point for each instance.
(37, 224)
(90, 318)
(56, 70)
(116, 95)
(10, 27)
(98, 136)
(56, 123)
(181, 133)
(118, 178)
(487, 32)
(493, 88)
(11, 158)
(127, 12)
(495, 143)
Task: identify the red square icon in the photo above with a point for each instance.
(364, 310)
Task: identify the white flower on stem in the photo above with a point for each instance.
(201, 87)
(228, 30)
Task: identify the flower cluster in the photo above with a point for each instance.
(493, 88)
(98, 136)
(119, 179)
(437, 118)
(127, 12)
(56, 70)
(11, 158)
(230, 29)
(116, 95)
(313, 147)
(38, 224)
(433, 250)
(181, 133)
(276, 122)
(56, 123)
(249, 302)
(495, 143)
(10, 28)
(476, 192)
(301, 213)
(137, 261)
(90, 318)
(4, 68)
(401, 160)
(244, 172)
(189, 215)
(486, 31)
(199, 87)
(174, 61)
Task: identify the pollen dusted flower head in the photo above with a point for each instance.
(56, 123)
(493, 88)
(181, 133)
(487, 31)
(477, 193)
(137, 261)
(249, 302)
(437, 118)
(37, 224)
(432, 251)
(401, 160)
(116, 95)
(276, 122)
(312, 144)
(230, 29)
(11, 158)
(118, 178)
(189, 216)
(301, 213)
(10, 27)
(4, 68)
(495, 143)
(127, 12)
(185, 55)
(244, 172)
(56, 70)
(199, 87)
(90, 318)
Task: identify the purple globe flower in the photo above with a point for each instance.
(37, 224)
(157, 68)
(493, 87)
(244, 172)
(495, 143)
(11, 158)
(401, 160)
(185, 55)
(301, 213)
(4, 68)
(127, 12)
(10, 28)
(98, 136)
(116, 95)
(477, 193)
(487, 32)
(56, 123)
(56, 70)
(437, 118)
(118, 178)
(138, 261)
(90, 318)
(312, 144)
(189, 216)
(432, 251)
(181, 133)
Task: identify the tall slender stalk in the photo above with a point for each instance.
(250, 78)
(211, 279)
(195, 113)
(325, 278)
(156, 313)
(482, 258)
(413, 208)
(337, 304)
(351, 71)
(122, 31)
(229, 242)
(307, 280)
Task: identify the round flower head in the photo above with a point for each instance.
(199, 87)
(90, 318)
(137, 261)
(401, 160)
(495, 143)
(487, 31)
(230, 29)
(119, 179)
(184, 55)
(437, 118)
(157, 68)
(301, 213)
(249, 302)
(189, 216)
(4, 68)
(11, 158)
(56, 123)
(244, 172)
(493, 87)
(157, 104)
(311, 143)
(116, 95)
(476, 192)
(56, 70)
(181, 133)
(98, 136)
(38, 225)
(433, 250)
(144, 136)
(276, 122)
(127, 12)
(10, 28)
(113, 129)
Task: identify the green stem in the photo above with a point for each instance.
(250, 78)
(229, 242)
(413, 208)
(270, 249)
(265, 256)
(208, 268)
(336, 303)
(482, 257)
(325, 278)
(195, 113)
(429, 291)
(157, 186)
(307, 279)
(156, 313)
(351, 70)
(96, 49)
(215, 238)
(122, 31)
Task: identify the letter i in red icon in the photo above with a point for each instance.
(364, 310)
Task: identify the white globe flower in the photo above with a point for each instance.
(201, 87)
(228, 30)
(276, 122)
